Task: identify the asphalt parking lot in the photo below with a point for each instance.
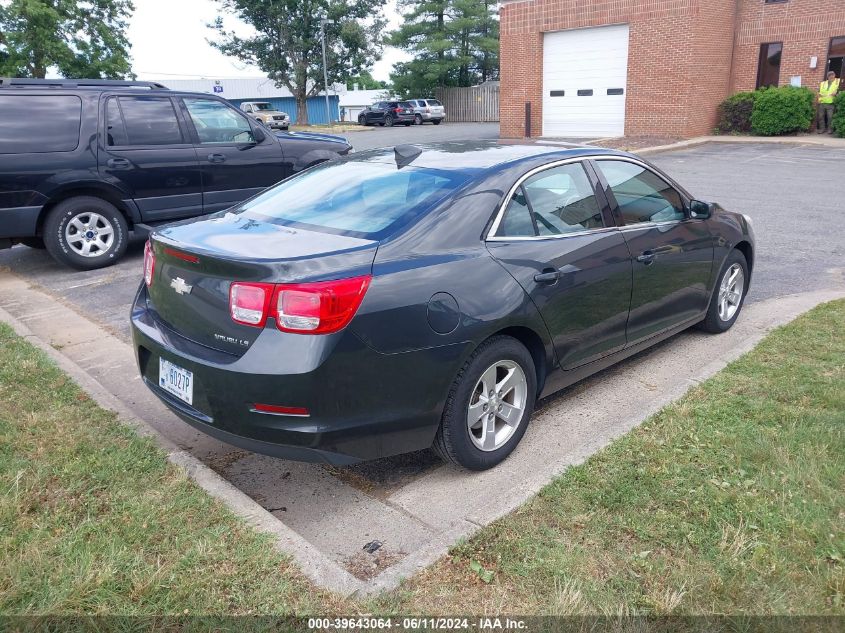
(791, 193)
(377, 136)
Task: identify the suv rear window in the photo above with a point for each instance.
(368, 200)
(434, 102)
(39, 123)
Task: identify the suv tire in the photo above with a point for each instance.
(388, 121)
(473, 403)
(418, 119)
(436, 121)
(85, 232)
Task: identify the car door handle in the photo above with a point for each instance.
(216, 158)
(647, 257)
(118, 163)
(547, 277)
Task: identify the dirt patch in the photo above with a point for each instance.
(633, 143)
(221, 463)
(365, 566)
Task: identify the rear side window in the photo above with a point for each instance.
(434, 102)
(39, 123)
(352, 198)
(149, 121)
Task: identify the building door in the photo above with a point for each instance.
(836, 56)
(585, 75)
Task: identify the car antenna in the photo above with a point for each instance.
(405, 154)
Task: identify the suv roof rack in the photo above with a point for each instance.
(13, 82)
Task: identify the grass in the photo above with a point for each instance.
(94, 520)
(730, 501)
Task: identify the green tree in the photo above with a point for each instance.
(79, 39)
(366, 81)
(287, 44)
(454, 43)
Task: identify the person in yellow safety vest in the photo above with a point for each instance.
(827, 91)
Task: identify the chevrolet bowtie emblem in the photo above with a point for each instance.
(180, 286)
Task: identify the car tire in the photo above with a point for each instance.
(728, 294)
(388, 121)
(418, 120)
(463, 438)
(436, 121)
(67, 220)
(408, 123)
(33, 242)
(362, 120)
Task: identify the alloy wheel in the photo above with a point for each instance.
(730, 292)
(89, 234)
(497, 405)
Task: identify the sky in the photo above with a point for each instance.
(168, 40)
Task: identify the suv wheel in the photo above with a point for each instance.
(362, 120)
(86, 233)
(489, 405)
(388, 121)
(436, 121)
(418, 119)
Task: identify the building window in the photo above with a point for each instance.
(768, 71)
(836, 55)
(776, 1)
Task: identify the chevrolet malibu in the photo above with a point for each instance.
(411, 297)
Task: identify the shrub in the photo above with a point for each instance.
(784, 110)
(735, 114)
(839, 115)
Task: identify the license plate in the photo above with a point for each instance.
(176, 380)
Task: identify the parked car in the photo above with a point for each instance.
(427, 110)
(82, 162)
(387, 113)
(403, 298)
(264, 112)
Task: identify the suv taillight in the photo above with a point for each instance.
(313, 308)
(149, 263)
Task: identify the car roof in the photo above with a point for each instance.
(482, 155)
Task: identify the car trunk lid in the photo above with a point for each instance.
(197, 261)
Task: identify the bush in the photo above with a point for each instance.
(839, 115)
(735, 114)
(784, 110)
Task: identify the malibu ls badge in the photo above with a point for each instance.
(180, 286)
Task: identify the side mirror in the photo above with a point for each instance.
(699, 210)
(258, 134)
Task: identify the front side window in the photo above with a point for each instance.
(368, 200)
(36, 123)
(556, 201)
(642, 195)
(150, 121)
(217, 123)
(768, 69)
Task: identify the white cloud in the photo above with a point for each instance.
(169, 39)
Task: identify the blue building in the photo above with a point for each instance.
(260, 89)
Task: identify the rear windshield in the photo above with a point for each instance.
(434, 102)
(39, 123)
(370, 200)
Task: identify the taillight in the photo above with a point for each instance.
(248, 303)
(149, 263)
(312, 308)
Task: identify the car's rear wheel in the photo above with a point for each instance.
(86, 233)
(488, 406)
(728, 294)
(33, 242)
(388, 121)
(418, 119)
(436, 121)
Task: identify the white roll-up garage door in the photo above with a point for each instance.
(584, 81)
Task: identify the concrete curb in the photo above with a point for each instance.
(739, 140)
(314, 565)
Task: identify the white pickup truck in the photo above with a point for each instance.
(265, 112)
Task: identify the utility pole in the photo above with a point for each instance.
(323, 23)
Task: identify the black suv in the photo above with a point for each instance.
(82, 162)
(387, 113)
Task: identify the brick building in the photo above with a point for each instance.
(613, 67)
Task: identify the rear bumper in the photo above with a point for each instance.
(362, 404)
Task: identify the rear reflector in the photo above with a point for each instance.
(313, 308)
(149, 263)
(248, 303)
(277, 410)
(185, 257)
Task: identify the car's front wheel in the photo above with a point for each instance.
(85, 232)
(488, 406)
(728, 294)
(362, 120)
